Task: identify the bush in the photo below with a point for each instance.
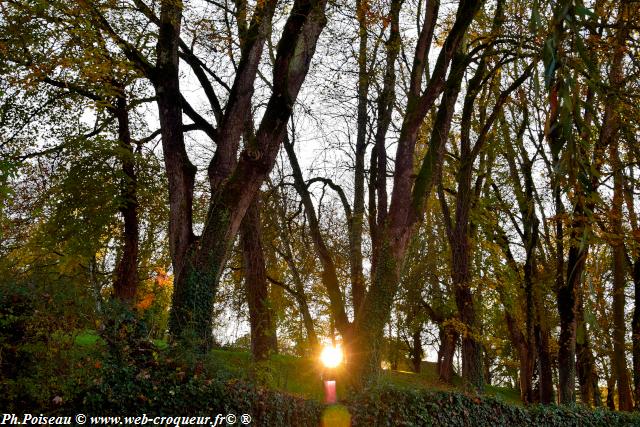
(38, 357)
(170, 389)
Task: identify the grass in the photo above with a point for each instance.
(294, 375)
(303, 376)
(507, 395)
(87, 338)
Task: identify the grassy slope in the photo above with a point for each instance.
(302, 377)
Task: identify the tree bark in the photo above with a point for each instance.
(416, 351)
(358, 286)
(635, 332)
(610, 138)
(448, 341)
(459, 233)
(625, 402)
(386, 100)
(635, 266)
(263, 332)
(564, 291)
(180, 171)
(611, 391)
(545, 367)
(238, 109)
(126, 280)
(585, 363)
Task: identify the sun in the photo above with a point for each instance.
(331, 356)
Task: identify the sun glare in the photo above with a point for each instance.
(331, 356)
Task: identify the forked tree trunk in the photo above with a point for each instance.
(197, 282)
(459, 228)
(392, 235)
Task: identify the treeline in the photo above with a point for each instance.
(474, 171)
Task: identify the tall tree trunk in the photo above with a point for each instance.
(565, 293)
(195, 275)
(263, 333)
(448, 341)
(610, 137)
(459, 241)
(180, 171)
(533, 345)
(611, 392)
(386, 99)
(567, 307)
(635, 332)
(358, 286)
(545, 367)
(126, 280)
(625, 402)
(530, 225)
(459, 233)
(416, 351)
(635, 266)
(585, 363)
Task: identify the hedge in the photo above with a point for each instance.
(401, 407)
(388, 406)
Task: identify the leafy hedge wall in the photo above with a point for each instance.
(396, 407)
(383, 407)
